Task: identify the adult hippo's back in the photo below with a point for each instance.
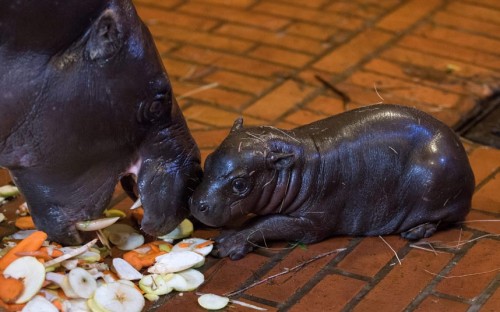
(377, 170)
(85, 100)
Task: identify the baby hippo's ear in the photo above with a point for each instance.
(280, 161)
(237, 125)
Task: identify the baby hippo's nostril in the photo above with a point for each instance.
(204, 207)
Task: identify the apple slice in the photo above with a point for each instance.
(156, 284)
(94, 225)
(75, 305)
(94, 307)
(213, 302)
(82, 283)
(125, 270)
(124, 236)
(31, 272)
(184, 229)
(198, 245)
(39, 304)
(194, 279)
(119, 297)
(175, 262)
(8, 191)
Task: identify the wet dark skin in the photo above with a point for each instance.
(86, 101)
(377, 170)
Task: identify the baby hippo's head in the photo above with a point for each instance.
(237, 175)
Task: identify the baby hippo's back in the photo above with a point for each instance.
(390, 169)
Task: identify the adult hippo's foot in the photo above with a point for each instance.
(420, 231)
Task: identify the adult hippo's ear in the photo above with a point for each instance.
(106, 37)
(280, 161)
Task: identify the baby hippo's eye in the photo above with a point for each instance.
(240, 186)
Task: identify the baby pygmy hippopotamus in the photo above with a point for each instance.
(376, 170)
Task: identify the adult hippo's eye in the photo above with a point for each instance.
(154, 110)
(240, 186)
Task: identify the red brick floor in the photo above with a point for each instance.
(264, 58)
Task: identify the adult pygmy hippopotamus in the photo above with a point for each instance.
(85, 100)
(376, 170)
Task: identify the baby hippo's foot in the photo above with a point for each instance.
(232, 244)
(420, 231)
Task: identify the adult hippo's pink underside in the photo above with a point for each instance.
(86, 101)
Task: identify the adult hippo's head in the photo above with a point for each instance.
(85, 101)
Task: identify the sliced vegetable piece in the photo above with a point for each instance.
(156, 284)
(22, 234)
(82, 283)
(119, 297)
(71, 254)
(198, 245)
(213, 302)
(94, 307)
(94, 225)
(10, 289)
(25, 223)
(175, 262)
(111, 213)
(32, 274)
(31, 243)
(8, 191)
(194, 279)
(39, 304)
(125, 270)
(124, 236)
(184, 229)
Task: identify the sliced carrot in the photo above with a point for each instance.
(11, 307)
(132, 257)
(58, 304)
(138, 214)
(25, 223)
(39, 254)
(184, 245)
(205, 244)
(139, 261)
(30, 243)
(10, 289)
(53, 252)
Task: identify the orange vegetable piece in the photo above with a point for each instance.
(205, 244)
(58, 304)
(184, 245)
(10, 289)
(141, 260)
(11, 307)
(138, 214)
(30, 243)
(25, 223)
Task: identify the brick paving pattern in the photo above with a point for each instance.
(266, 59)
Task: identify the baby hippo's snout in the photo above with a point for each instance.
(206, 209)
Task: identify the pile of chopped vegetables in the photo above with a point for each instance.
(38, 275)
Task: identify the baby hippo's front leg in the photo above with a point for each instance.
(236, 244)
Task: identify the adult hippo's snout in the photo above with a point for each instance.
(89, 102)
